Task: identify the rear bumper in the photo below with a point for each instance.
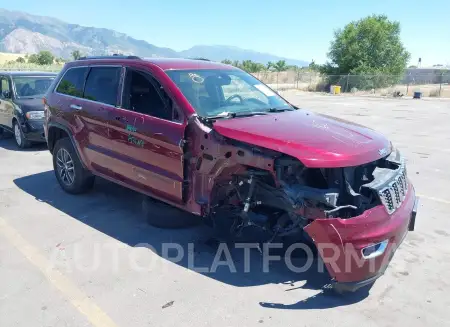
(357, 251)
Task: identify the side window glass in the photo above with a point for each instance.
(4, 86)
(145, 95)
(72, 82)
(102, 85)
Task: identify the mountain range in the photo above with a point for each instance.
(25, 33)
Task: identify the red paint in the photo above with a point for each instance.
(316, 140)
(373, 226)
(184, 177)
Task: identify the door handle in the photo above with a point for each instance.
(76, 107)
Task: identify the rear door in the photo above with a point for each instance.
(100, 97)
(90, 93)
(147, 135)
(6, 104)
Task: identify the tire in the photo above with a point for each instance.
(19, 137)
(162, 215)
(69, 171)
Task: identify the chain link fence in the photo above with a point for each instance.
(431, 84)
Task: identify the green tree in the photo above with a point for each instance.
(20, 60)
(280, 66)
(251, 66)
(41, 58)
(369, 46)
(236, 63)
(33, 58)
(313, 66)
(45, 58)
(76, 54)
(227, 62)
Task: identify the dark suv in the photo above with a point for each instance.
(21, 107)
(214, 141)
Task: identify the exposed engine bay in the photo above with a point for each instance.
(283, 205)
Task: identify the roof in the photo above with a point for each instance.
(27, 73)
(178, 63)
(163, 63)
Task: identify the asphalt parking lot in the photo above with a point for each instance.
(81, 260)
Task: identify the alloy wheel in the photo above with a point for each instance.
(65, 167)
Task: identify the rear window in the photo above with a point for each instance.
(32, 86)
(73, 81)
(102, 85)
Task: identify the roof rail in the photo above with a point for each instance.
(114, 56)
(200, 58)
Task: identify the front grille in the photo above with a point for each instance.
(394, 193)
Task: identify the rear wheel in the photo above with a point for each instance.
(69, 171)
(19, 137)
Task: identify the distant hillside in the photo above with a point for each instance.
(220, 52)
(25, 33)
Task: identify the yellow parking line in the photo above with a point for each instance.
(433, 199)
(79, 300)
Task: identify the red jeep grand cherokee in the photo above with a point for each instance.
(214, 141)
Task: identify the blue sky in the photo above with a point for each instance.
(297, 29)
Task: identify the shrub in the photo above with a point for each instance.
(435, 93)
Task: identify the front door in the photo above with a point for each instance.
(147, 137)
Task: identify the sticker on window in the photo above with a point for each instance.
(196, 78)
(264, 89)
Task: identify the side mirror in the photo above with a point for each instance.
(6, 94)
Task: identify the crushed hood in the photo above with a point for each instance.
(316, 140)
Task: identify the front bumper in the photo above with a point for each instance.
(343, 244)
(33, 130)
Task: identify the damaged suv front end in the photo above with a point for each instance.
(357, 245)
(292, 175)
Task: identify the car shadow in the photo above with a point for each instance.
(8, 143)
(116, 211)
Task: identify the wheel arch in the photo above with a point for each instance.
(56, 132)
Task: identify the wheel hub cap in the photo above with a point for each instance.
(65, 167)
(17, 134)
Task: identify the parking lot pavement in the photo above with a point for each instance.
(91, 260)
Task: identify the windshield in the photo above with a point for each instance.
(214, 92)
(32, 86)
